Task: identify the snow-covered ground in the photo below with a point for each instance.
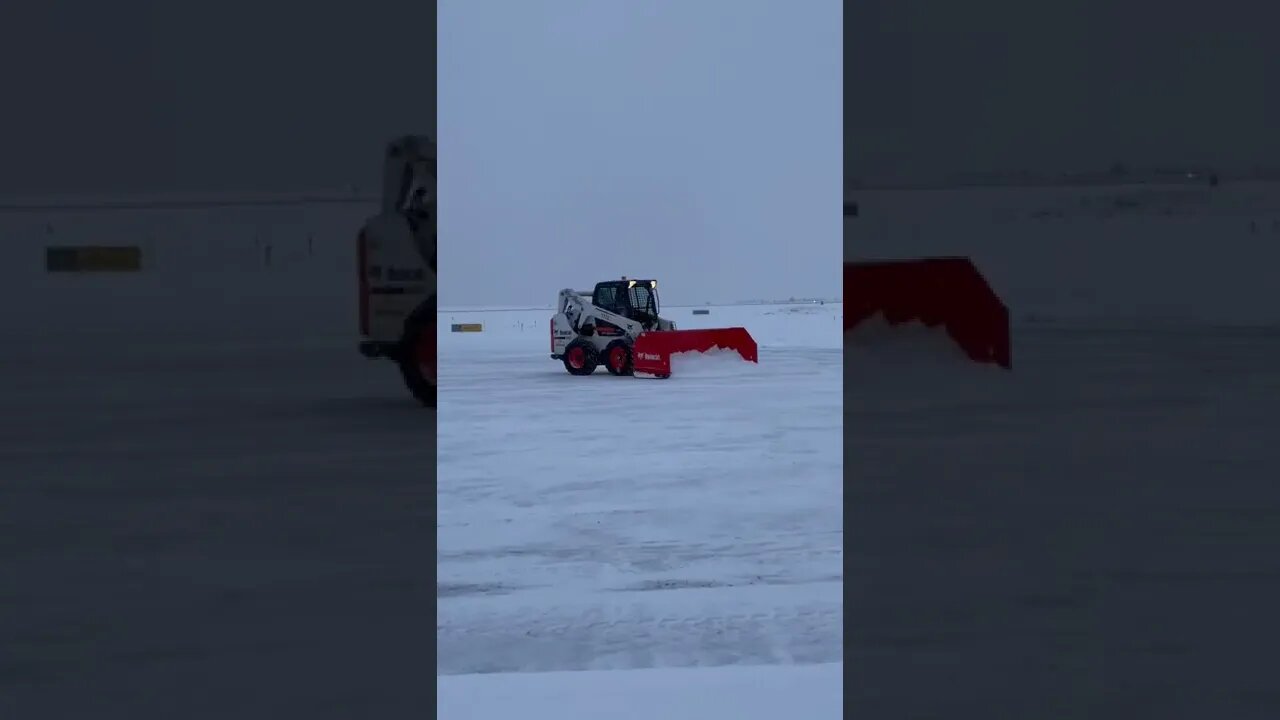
(199, 478)
(210, 505)
(607, 523)
(1091, 533)
(1094, 533)
(746, 693)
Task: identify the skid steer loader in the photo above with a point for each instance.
(396, 258)
(617, 325)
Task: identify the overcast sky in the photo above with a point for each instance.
(687, 139)
(243, 95)
(696, 142)
(938, 86)
(233, 95)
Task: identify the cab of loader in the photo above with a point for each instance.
(633, 299)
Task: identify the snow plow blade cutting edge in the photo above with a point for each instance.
(651, 356)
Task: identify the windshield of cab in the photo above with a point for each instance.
(644, 299)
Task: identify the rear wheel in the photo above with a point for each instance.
(580, 358)
(617, 358)
(417, 361)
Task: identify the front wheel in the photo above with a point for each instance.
(617, 358)
(580, 358)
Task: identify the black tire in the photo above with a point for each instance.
(422, 388)
(580, 358)
(617, 358)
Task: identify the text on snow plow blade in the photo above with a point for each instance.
(617, 325)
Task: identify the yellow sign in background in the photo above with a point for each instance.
(93, 258)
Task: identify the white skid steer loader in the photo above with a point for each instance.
(396, 255)
(617, 325)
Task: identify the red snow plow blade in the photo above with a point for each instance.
(653, 349)
(934, 291)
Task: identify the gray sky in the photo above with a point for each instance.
(695, 141)
(938, 86)
(234, 95)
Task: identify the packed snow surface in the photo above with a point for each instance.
(610, 523)
(213, 507)
(764, 692)
(210, 505)
(1077, 523)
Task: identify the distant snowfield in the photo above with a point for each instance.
(802, 326)
(241, 274)
(1123, 256)
(606, 523)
